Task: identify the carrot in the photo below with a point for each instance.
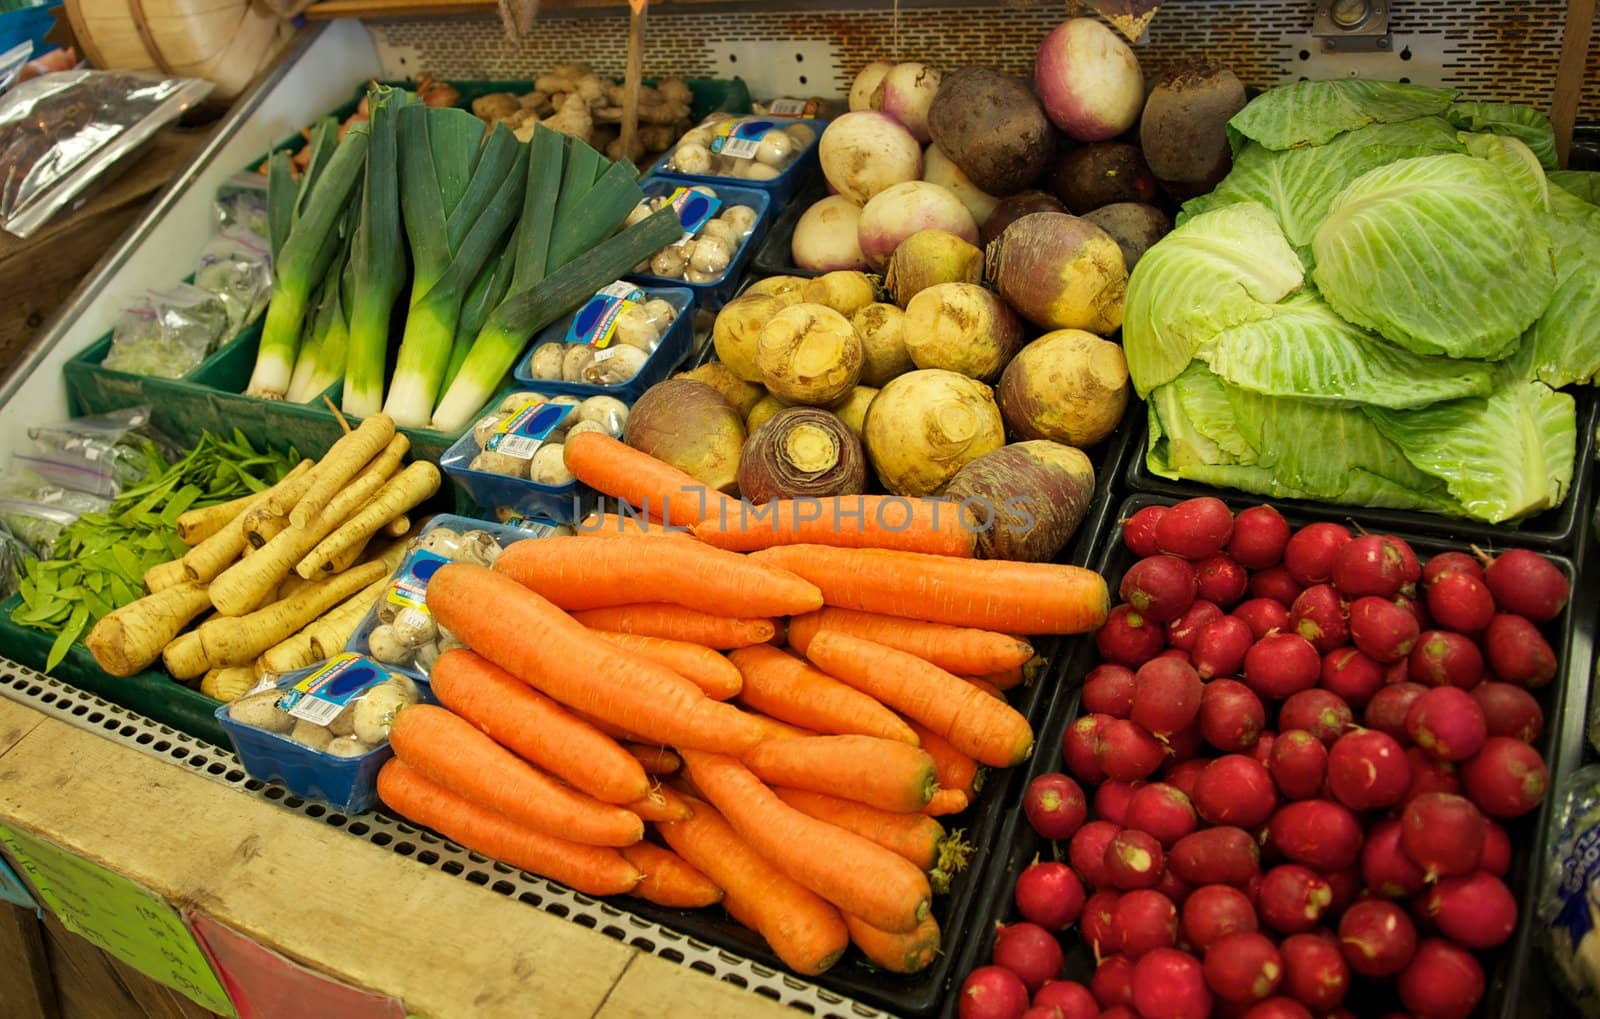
(991, 731)
(716, 677)
(657, 807)
(773, 730)
(654, 760)
(593, 573)
(536, 728)
(662, 491)
(789, 689)
(987, 687)
(956, 770)
(669, 880)
(802, 929)
(842, 867)
(589, 869)
(989, 594)
(911, 952)
(451, 752)
(963, 651)
(946, 802)
(883, 773)
(1010, 679)
(932, 526)
(674, 622)
(600, 523)
(917, 837)
(548, 649)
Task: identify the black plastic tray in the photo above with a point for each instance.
(1515, 988)
(773, 258)
(1555, 530)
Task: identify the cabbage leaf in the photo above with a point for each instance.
(1518, 163)
(1563, 347)
(1584, 184)
(1513, 120)
(1315, 112)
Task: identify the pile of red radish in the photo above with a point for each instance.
(1286, 785)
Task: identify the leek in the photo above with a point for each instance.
(377, 259)
(286, 196)
(323, 351)
(486, 294)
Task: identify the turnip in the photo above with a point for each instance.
(1243, 967)
(1111, 801)
(1166, 696)
(1496, 858)
(1108, 689)
(1450, 562)
(1385, 867)
(1128, 638)
(1220, 648)
(1235, 790)
(1275, 583)
(1430, 775)
(1443, 834)
(1518, 653)
(1506, 778)
(1387, 710)
(1219, 579)
(1367, 770)
(992, 992)
(1183, 129)
(1160, 587)
(1298, 764)
(1322, 713)
(1054, 805)
(926, 425)
(1135, 226)
(1318, 833)
(827, 236)
(905, 93)
(1182, 775)
(1161, 810)
(1318, 616)
(866, 152)
(1126, 752)
(1029, 951)
(1212, 911)
(864, 94)
(1447, 723)
(962, 327)
(1090, 177)
(1059, 272)
(1144, 920)
(1182, 632)
(940, 169)
(1381, 629)
(1263, 615)
(1195, 529)
(1509, 710)
(1476, 910)
(1012, 208)
(992, 126)
(1097, 922)
(1112, 983)
(1224, 855)
(1259, 536)
(1089, 80)
(1351, 675)
(1281, 664)
(1311, 551)
(1527, 584)
(1460, 601)
(901, 210)
(1445, 658)
(1170, 984)
(1377, 938)
(1279, 1007)
(1068, 385)
(1070, 1000)
(1231, 715)
(1443, 981)
(1049, 894)
(1087, 852)
(1133, 860)
(1314, 972)
(1293, 899)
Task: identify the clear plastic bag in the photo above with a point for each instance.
(34, 524)
(1569, 901)
(241, 203)
(167, 333)
(13, 553)
(99, 454)
(236, 266)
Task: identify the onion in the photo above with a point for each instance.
(801, 451)
(925, 426)
(1060, 272)
(902, 210)
(1068, 386)
(905, 94)
(864, 89)
(809, 353)
(827, 237)
(1089, 80)
(962, 327)
(928, 258)
(1013, 208)
(689, 425)
(940, 169)
(867, 152)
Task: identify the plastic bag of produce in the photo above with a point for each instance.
(236, 266)
(1569, 906)
(12, 555)
(241, 203)
(167, 333)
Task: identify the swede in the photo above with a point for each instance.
(868, 152)
(897, 212)
(1069, 386)
(801, 451)
(881, 328)
(809, 354)
(962, 327)
(926, 425)
(1025, 500)
(1089, 80)
(1060, 272)
(928, 258)
(826, 237)
(689, 425)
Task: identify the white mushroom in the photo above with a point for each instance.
(442, 541)
(344, 723)
(375, 711)
(801, 134)
(576, 360)
(696, 276)
(549, 467)
(691, 157)
(407, 686)
(448, 640)
(518, 400)
(741, 217)
(479, 546)
(670, 262)
(704, 189)
(546, 361)
(711, 256)
(590, 426)
(721, 230)
(387, 610)
(776, 149)
(635, 328)
(618, 366)
(640, 213)
(311, 734)
(661, 313)
(495, 462)
(386, 646)
(413, 627)
(485, 428)
(701, 136)
(347, 746)
(607, 411)
(260, 711)
(427, 654)
(757, 170)
(565, 400)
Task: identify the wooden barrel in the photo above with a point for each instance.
(226, 42)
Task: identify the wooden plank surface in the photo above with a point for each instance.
(1568, 92)
(26, 991)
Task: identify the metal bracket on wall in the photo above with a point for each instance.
(1352, 26)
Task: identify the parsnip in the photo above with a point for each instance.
(263, 521)
(344, 461)
(398, 527)
(228, 684)
(168, 574)
(212, 556)
(132, 637)
(197, 525)
(417, 483)
(185, 657)
(350, 556)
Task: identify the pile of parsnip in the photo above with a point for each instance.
(282, 577)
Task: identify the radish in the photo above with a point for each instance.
(1377, 938)
(1181, 632)
(1166, 696)
(1509, 711)
(1055, 805)
(1049, 894)
(1195, 528)
(1143, 920)
(1231, 715)
(1259, 536)
(1293, 899)
(1173, 887)
(1176, 654)
(1279, 1007)
(1298, 764)
(1318, 616)
(1379, 628)
(1128, 638)
(1447, 723)
(1134, 860)
(1418, 610)
(1099, 913)
(1126, 752)
(1443, 834)
(1182, 775)
(1430, 775)
(1322, 713)
(1211, 911)
(1476, 910)
(1262, 751)
(1518, 652)
(1367, 770)
(1263, 615)
(1221, 647)
(1277, 584)
(1387, 710)
(1221, 580)
(1161, 810)
(1046, 1012)
(1444, 981)
(1281, 664)
(1112, 983)
(1371, 564)
(1527, 584)
(1070, 1000)
(1080, 748)
(1460, 602)
(1397, 672)
(1216, 856)
(1311, 551)
(1170, 984)
(1385, 867)
(1029, 951)
(1346, 886)
(1317, 833)
(1450, 562)
(1111, 801)
(1355, 677)
(1506, 778)
(1314, 972)
(1108, 689)
(1186, 742)
(1496, 858)
(1243, 967)
(1235, 790)
(992, 992)
(1443, 658)
(1160, 587)
(1139, 531)
(1087, 852)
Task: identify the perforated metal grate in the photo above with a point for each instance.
(132, 730)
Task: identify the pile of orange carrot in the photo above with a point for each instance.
(778, 732)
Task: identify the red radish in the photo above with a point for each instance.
(1243, 967)
(1476, 910)
(1377, 938)
(1161, 810)
(1367, 770)
(1126, 752)
(1087, 852)
(1169, 984)
(1186, 742)
(1221, 856)
(1195, 528)
(1527, 584)
(1231, 715)
(1235, 790)
(1055, 805)
(1281, 664)
(1381, 629)
(1317, 833)
(1447, 723)
(1099, 914)
(1444, 981)
(1443, 658)
(1049, 894)
(1460, 601)
(1293, 898)
(1111, 801)
(1385, 867)
(993, 992)
(1352, 675)
(1029, 951)
(1182, 775)
(1277, 585)
(1220, 648)
(1173, 887)
(1311, 551)
(1279, 1007)
(1139, 531)
(1346, 885)
(1507, 778)
(1112, 983)
(1518, 652)
(1322, 713)
(1181, 632)
(1314, 972)
(1496, 858)
(1262, 615)
(1262, 751)
(1046, 1012)
(1387, 710)
(1318, 616)
(1080, 748)
(1211, 911)
(1166, 696)
(1369, 564)
(1418, 610)
(1128, 637)
(1070, 999)
(1143, 920)
(1429, 775)
(1259, 535)
(1450, 562)
(1221, 580)
(1178, 654)
(1298, 765)
(1160, 587)
(1443, 834)
(1108, 690)
(1397, 672)
(1509, 710)
(1133, 860)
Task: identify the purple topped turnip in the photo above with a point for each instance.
(867, 152)
(905, 93)
(1089, 80)
(896, 213)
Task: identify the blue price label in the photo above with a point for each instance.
(320, 696)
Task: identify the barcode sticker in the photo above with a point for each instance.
(792, 108)
(323, 694)
(741, 137)
(521, 434)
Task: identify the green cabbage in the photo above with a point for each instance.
(1316, 112)
(1524, 123)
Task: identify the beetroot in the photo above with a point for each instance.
(1166, 696)
(1181, 632)
(1451, 562)
(1367, 770)
(1170, 984)
(1293, 898)
(1139, 531)
(1221, 580)
(1143, 920)
(1055, 805)
(1262, 615)
(1160, 587)
(1070, 999)
(1161, 810)
(1220, 647)
(1389, 707)
(1278, 1007)
(1443, 834)
(1112, 983)
(1429, 775)
(1476, 910)
(1126, 752)
(1506, 778)
(1097, 924)
(1527, 584)
(1459, 601)
(1235, 790)
(1281, 664)
(1243, 967)
(992, 992)
(1317, 833)
(1371, 564)
(1381, 629)
(1195, 528)
(1277, 585)
(1182, 775)
(1322, 713)
(1211, 911)
(1352, 675)
(1108, 690)
(1386, 869)
(1087, 852)
(1111, 801)
(1377, 938)
(1443, 658)
(1128, 638)
(1134, 860)
(1259, 536)
(1318, 616)
(1080, 747)
(1298, 764)
(1508, 711)
(1447, 723)
(1518, 652)
(1221, 856)
(1049, 894)
(1029, 951)
(1496, 858)
(1444, 981)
